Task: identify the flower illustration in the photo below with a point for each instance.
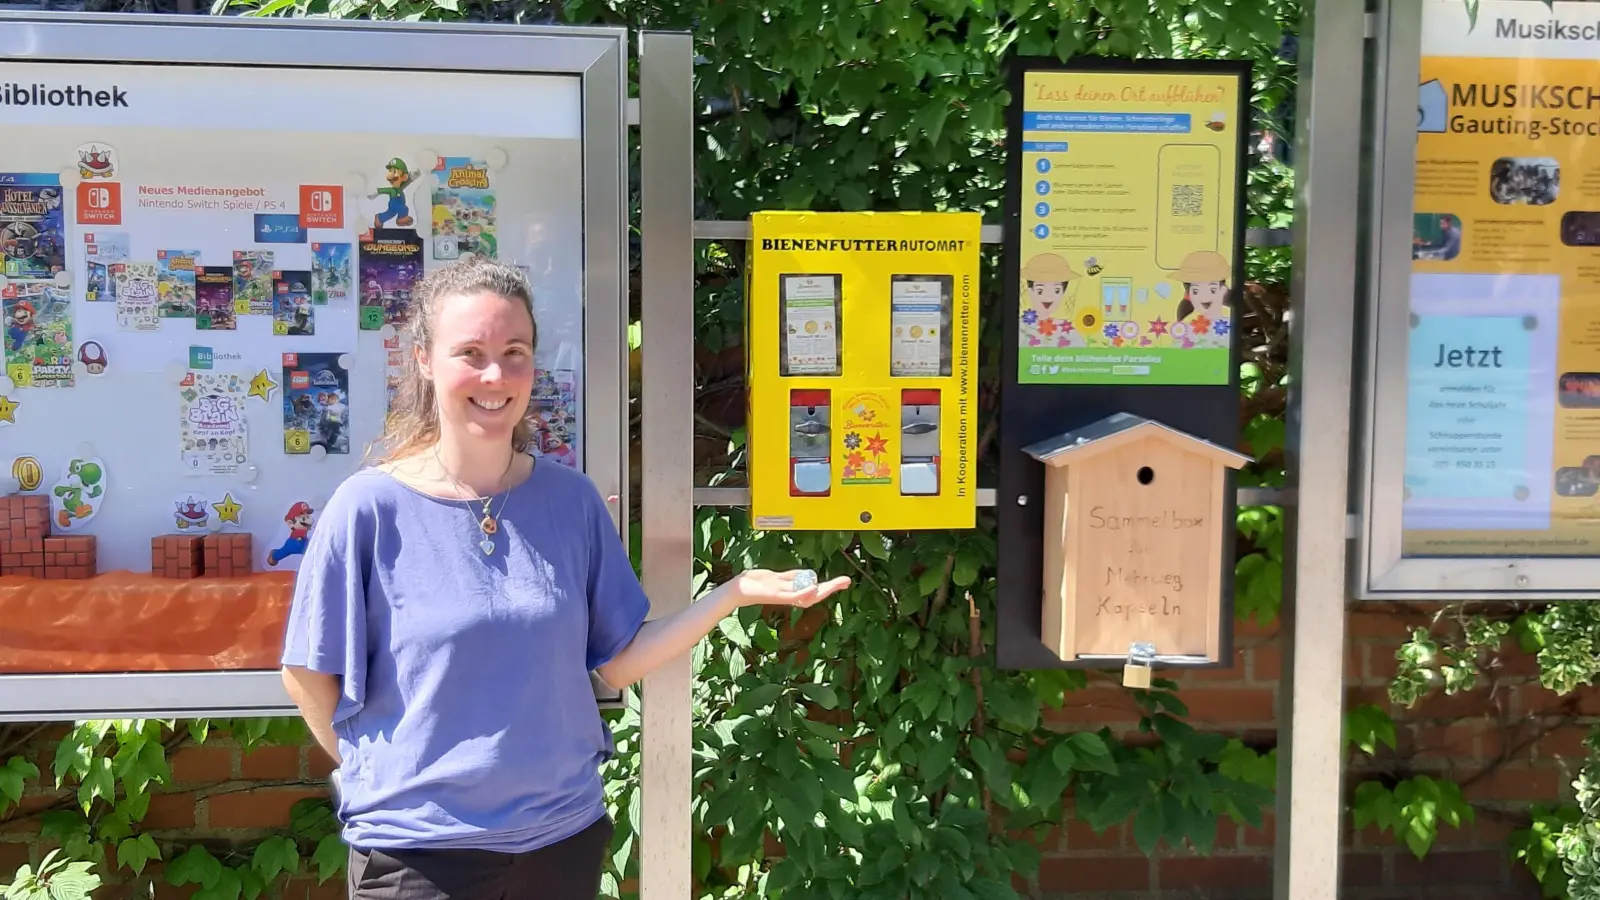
(855, 460)
(1111, 330)
(852, 441)
(1047, 327)
(1033, 342)
(1201, 324)
(876, 445)
(1030, 316)
(1221, 327)
(1158, 326)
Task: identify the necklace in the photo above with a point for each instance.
(488, 525)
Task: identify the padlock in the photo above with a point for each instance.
(1141, 659)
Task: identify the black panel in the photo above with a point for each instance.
(1032, 412)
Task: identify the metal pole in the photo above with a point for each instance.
(666, 222)
(1328, 145)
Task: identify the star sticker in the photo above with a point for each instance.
(262, 386)
(227, 510)
(8, 410)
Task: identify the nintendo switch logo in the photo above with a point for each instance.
(100, 204)
(321, 206)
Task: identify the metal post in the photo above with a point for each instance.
(666, 224)
(1328, 146)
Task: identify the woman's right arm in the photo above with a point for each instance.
(316, 695)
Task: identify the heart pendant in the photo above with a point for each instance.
(487, 545)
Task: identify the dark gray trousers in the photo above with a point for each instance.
(566, 870)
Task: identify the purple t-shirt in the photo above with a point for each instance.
(466, 716)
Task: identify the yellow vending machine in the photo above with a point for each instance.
(862, 350)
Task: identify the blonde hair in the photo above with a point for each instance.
(413, 423)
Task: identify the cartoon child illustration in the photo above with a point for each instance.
(1204, 275)
(21, 327)
(1046, 287)
(298, 518)
(400, 178)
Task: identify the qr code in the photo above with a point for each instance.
(1187, 199)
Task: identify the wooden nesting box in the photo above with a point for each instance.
(1134, 540)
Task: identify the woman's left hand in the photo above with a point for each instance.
(791, 588)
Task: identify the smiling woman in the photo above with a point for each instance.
(449, 609)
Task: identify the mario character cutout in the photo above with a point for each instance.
(298, 519)
(400, 178)
(19, 325)
(1203, 313)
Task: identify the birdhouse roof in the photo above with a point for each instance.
(1120, 430)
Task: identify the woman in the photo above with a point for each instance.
(449, 608)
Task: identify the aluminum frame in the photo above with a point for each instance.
(1327, 249)
(596, 56)
(1381, 572)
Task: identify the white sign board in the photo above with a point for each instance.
(205, 267)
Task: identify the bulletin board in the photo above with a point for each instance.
(207, 264)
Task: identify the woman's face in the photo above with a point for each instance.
(481, 364)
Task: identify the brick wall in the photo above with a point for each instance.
(218, 795)
(1510, 743)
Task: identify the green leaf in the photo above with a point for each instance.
(13, 776)
(329, 857)
(136, 852)
(820, 694)
(1148, 826)
(98, 782)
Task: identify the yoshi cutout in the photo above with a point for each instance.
(76, 497)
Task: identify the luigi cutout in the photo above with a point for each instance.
(400, 178)
(1046, 287)
(1204, 275)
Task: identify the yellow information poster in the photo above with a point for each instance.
(1502, 453)
(1128, 227)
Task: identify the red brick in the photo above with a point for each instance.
(1380, 624)
(1565, 743)
(1233, 673)
(1265, 836)
(1266, 662)
(1450, 867)
(13, 855)
(271, 764)
(1229, 706)
(1086, 875)
(1095, 706)
(1216, 872)
(256, 808)
(1078, 836)
(1516, 782)
(169, 811)
(1458, 741)
(1362, 869)
(319, 765)
(202, 765)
